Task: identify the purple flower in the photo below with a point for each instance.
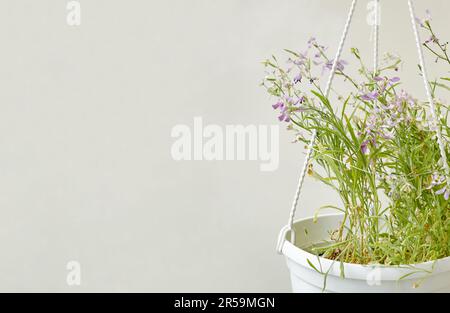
(278, 105)
(365, 147)
(394, 80)
(423, 21)
(339, 66)
(419, 21)
(298, 79)
(284, 114)
(436, 180)
(300, 61)
(287, 105)
(390, 82)
(290, 100)
(431, 39)
(284, 117)
(370, 96)
(445, 191)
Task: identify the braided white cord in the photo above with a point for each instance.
(376, 37)
(314, 135)
(340, 48)
(429, 94)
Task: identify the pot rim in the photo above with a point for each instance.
(359, 271)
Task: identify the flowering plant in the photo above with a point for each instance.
(376, 147)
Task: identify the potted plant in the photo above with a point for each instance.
(376, 146)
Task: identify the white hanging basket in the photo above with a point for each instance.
(425, 277)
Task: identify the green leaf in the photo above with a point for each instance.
(292, 52)
(440, 85)
(355, 52)
(313, 267)
(342, 270)
(321, 98)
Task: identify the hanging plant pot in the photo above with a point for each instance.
(312, 273)
(385, 153)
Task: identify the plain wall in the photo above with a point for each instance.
(86, 115)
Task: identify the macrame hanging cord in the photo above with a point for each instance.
(282, 236)
(435, 119)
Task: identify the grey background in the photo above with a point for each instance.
(85, 119)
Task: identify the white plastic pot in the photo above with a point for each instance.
(425, 277)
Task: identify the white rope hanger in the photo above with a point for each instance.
(282, 236)
(376, 28)
(426, 82)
